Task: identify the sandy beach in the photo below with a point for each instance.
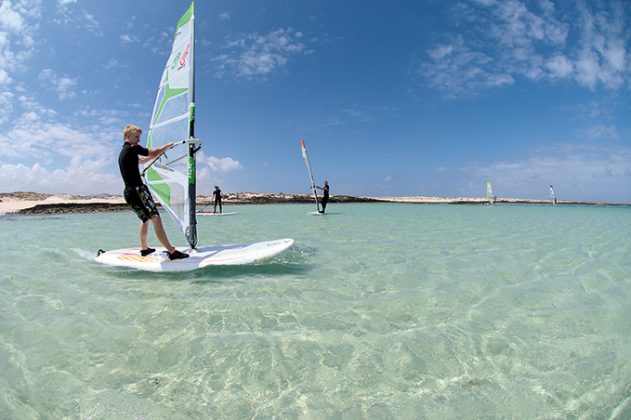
(21, 202)
(37, 203)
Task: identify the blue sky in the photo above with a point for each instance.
(406, 98)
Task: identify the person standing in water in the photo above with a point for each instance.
(325, 195)
(217, 200)
(137, 195)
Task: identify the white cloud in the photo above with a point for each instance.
(486, 2)
(156, 44)
(601, 131)
(85, 172)
(114, 64)
(458, 70)
(29, 104)
(518, 26)
(69, 16)
(129, 39)
(441, 52)
(603, 56)
(63, 85)
(535, 40)
(34, 136)
(211, 169)
(17, 27)
(81, 176)
(38, 152)
(254, 56)
(357, 115)
(578, 172)
(559, 66)
(4, 77)
(91, 24)
(6, 106)
(224, 16)
(9, 18)
(221, 165)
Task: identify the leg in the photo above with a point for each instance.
(220, 208)
(146, 210)
(158, 228)
(144, 229)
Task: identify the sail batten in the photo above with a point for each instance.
(171, 121)
(174, 180)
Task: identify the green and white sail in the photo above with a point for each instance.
(172, 177)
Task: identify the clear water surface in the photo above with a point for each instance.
(377, 311)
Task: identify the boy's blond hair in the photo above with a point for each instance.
(131, 129)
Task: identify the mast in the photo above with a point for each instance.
(303, 148)
(191, 233)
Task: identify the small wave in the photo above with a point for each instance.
(88, 255)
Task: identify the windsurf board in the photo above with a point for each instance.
(203, 213)
(204, 256)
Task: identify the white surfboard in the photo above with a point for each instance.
(204, 213)
(315, 213)
(204, 256)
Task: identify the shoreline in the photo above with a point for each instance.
(36, 203)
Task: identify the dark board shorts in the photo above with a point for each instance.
(141, 202)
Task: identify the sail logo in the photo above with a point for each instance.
(180, 59)
(191, 170)
(176, 59)
(184, 57)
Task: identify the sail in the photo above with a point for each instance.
(303, 148)
(172, 177)
(553, 197)
(489, 193)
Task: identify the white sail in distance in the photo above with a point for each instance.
(489, 193)
(553, 197)
(172, 177)
(303, 149)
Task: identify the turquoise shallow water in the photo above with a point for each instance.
(378, 311)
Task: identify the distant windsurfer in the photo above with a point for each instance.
(217, 200)
(325, 195)
(553, 196)
(137, 195)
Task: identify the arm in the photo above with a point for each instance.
(154, 153)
